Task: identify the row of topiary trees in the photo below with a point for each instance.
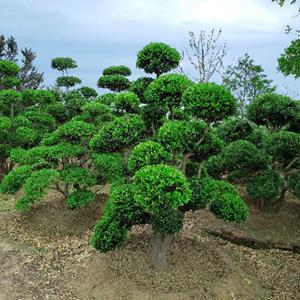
(165, 145)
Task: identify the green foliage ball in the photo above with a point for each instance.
(67, 81)
(117, 70)
(116, 83)
(15, 179)
(160, 185)
(230, 207)
(209, 101)
(272, 110)
(266, 185)
(147, 153)
(157, 58)
(127, 102)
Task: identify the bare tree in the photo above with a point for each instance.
(205, 54)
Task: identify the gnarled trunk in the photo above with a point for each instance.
(160, 246)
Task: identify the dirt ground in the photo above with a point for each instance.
(45, 254)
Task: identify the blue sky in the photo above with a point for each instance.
(100, 33)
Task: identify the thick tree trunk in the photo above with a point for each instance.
(160, 246)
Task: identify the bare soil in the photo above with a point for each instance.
(45, 254)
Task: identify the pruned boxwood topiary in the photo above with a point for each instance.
(13, 181)
(109, 167)
(166, 91)
(230, 207)
(209, 101)
(265, 187)
(117, 70)
(147, 153)
(35, 186)
(120, 213)
(158, 185)
(206, 190)
(116, 83)
(127, 102)
(88, 92)
(74, 174)
(168, 221)
(118, 134)
(285, 146)
(63, 63)
(272, 110)
(158, 58)
(67, 81)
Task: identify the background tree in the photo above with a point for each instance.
(204, 54)
(247, 81)
(289, 60)
(29, 75)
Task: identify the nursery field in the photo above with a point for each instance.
(46, 254)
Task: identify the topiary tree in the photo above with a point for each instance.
(115, 78)
(63, 64)
(158, 58)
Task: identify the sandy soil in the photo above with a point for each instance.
(45, 254)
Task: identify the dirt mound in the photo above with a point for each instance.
(51, 217)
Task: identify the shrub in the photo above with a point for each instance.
(180, 136)
(67, 81)
(35, 186)
(73, 174)
(126, 102)
(120, 213)
(230, 207)
(157, 58)
(284, 146)
(206, 190)
(147, 153)
(168, 221)
(120, 133)
(116, 83)
(272, 110)
(15, 179)
(209, 101)
(117, 70)
(87, 92)
(167, 91)
(8, 68)
(109, 167)
(266, 185)
(160, 185)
